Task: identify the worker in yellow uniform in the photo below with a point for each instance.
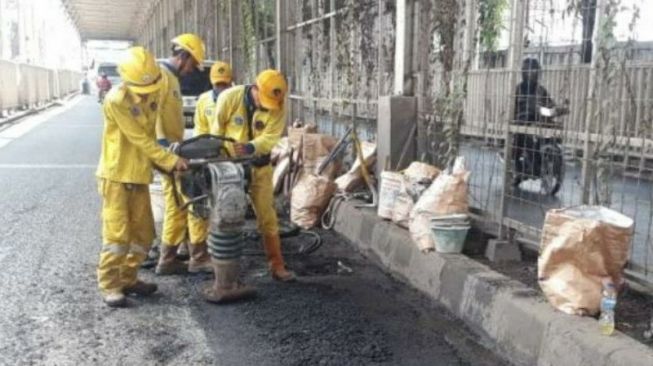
(187, 55)
(254, 116)
(129, 152)
(221, 79)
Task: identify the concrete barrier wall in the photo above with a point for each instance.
(23, 86)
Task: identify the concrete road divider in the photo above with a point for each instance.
(521, 324)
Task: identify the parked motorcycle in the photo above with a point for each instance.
(540, 158)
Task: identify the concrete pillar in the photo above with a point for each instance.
(518, 11)
(401, 47)
(397, 116)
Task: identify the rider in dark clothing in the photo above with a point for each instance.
(530, 94)
(529, 97)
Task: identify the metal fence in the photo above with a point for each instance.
(25, 86)
(600, 150)
(341, 55)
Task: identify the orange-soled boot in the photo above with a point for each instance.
(272, 245)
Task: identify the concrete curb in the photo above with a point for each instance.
(16, 117)
(521, 324)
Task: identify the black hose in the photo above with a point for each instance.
(287, 230)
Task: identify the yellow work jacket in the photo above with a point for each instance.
(204, 113)
(129, 147)
(170, 123)
(231, 121)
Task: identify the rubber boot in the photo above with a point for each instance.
(200, 260)
(183, 252)
(140, 288)
(168, 262)
(272, 245)
(114, 299)
(226, 286)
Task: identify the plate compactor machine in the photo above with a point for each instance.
(214, 188)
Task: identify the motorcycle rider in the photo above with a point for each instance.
(103, 85)
(530, 95)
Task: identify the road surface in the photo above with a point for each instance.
(50, 312)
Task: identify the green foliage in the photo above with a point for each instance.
(248, 36)
(490, 22)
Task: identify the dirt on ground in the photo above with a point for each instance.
(343, 311)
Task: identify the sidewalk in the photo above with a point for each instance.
(522, 326)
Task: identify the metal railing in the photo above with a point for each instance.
(27, 86)
(340, 56)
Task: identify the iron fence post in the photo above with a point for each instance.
(590, 106)
(517, 21)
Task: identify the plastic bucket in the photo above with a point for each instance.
(449, 239)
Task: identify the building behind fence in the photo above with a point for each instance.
(342, 56)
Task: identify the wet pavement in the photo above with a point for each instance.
(350, 313)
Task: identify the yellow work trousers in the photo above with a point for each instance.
(177, 222)
(261, 192)
(127, 233)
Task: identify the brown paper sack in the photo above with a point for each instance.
(419, 177)
(580, 247)
(447, 195)
(419, 172)
(309, 198)
(315, 146)
(353, 179)
(295, 134)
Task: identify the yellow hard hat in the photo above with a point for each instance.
(193, 44)
(272, 89)
(220, 73)
(139, 71)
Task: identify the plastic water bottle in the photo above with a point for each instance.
(608, 303)
(648, 334)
